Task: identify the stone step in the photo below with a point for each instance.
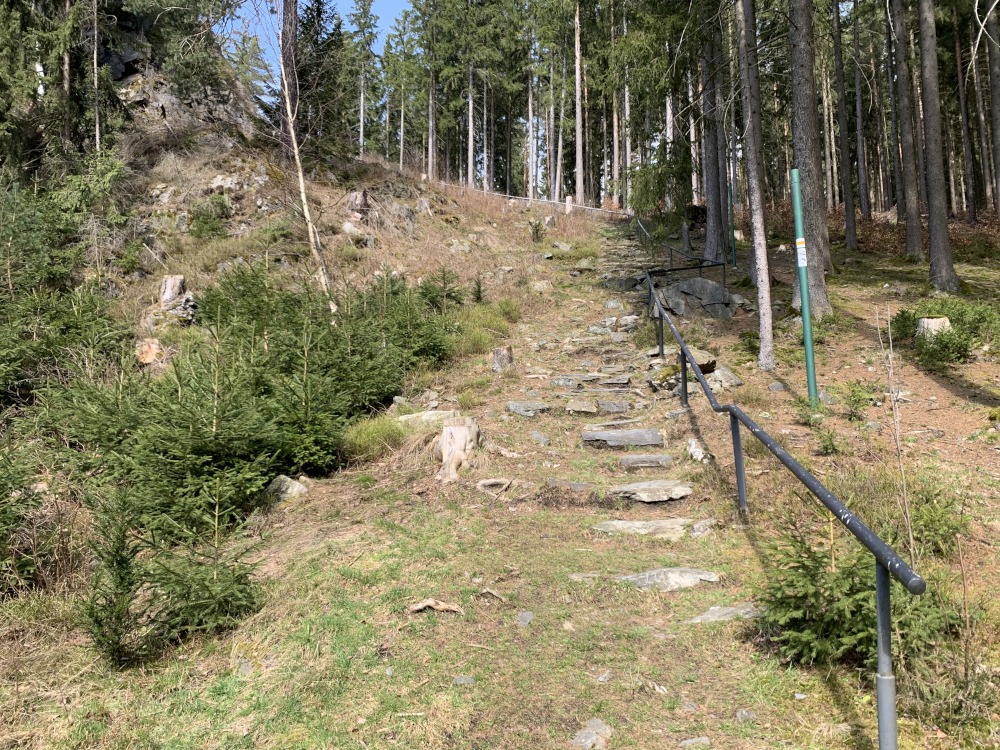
(646, 461)
(671, 529)
(669, 579)
(653, 491)
(622, 438)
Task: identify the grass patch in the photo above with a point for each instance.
(372, 438)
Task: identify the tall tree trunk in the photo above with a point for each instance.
(846, 188)
(530, 145)
(897, 173)
(805, 135)
(559, 148)
(832, 133)
(67, 74)
(963, 109)
(828, 150)
(97, 81)
(866, 206)
(714, 240)
(508, 162)
(361, 115)
(720, 140)
(432, 128)
(918, 124)
(984, 149)
(943, 275)
(993, 48)
(911, 191)
(579, 107)
(747, 32)
(402, 126)
(470, 155)
(550, 127)
(487, 185)
(696, 192)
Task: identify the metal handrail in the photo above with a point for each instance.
(889, 562)
(700, 264)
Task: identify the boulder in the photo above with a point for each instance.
(284, 488)
(699, 296)
(722, 378)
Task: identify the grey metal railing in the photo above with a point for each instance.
(697, 264)
(889, 563)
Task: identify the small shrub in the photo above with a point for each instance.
(858, 395)
(749, 343)
(943, 348)
(537, 231)
(370, 439)
(441, 290)
(207, 217)
(478, 291)
(808, 414)
(829, 443)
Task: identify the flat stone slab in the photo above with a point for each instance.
(581, 406)
(539, 438)
(564, 381)
(613, 407)
(743, 611)
(654, 491)
(623, 438)
(669, 579)
(428, 418)
(671, 529)
(593, 736)
(646, 461)
(618, 380)
(527, 408)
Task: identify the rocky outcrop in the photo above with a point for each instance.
(696, 296)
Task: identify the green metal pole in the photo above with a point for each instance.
(732, 226)
(803, 264)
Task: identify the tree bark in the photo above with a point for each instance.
(963, 109)
(97, 105)
(432, 127)
(911, 191)
(470, 156)
(984, 149)
(827, 146)
(579, 108)
(402, 126)
(897, 173)
(846, 188)
(943, 275)
(993, 48)
(746, 29)
(866, 206)
(714, 241)
(805, 136)
(530, 145)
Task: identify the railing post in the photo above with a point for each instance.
(885, 681)
(741, 477)
(682, 361)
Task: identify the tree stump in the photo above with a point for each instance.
(503, 358)
(171, 287)
(460, 436)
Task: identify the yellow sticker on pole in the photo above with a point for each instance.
(800, 251)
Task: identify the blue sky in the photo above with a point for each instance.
(387, 12)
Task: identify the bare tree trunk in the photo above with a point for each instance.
(550, 130)
(720, 141)
(911, 191)
(828, 151)
(97, 105)
(288, 84)
(846, 188)
(714, 240)
(530, 145)
(832, 133)
(696, 192)
(993, 49)
(984, 149)
(361, 115)
(897, 173)
(918, 125)
(402, 126)
(746, 28)
(432, 129)
(963, 109)
(67, 73)
(805, 134)
(866, 206)
(579, 107)
(943, 275)
(559, 150)
(470, 157)
(487, 186)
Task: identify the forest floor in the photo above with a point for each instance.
(547, 638)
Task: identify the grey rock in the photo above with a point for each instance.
(524, 618)
(826, 399)
(607, 322)
(540, 287)
(738, 299)
(744, 611)
(617, 380)
(599, 330)
(671, 529)
(564, 484)
(527, 408)
(585, 264)
(669, 579)
(613, 407)
(654, 491)
(581, 406)
(622, 438)
(646, 461)
(464, 679)
(777, 387)
(614, 304)
(628, 322)
(539, 438)
(722, 378)
(875, 427)
(703, 527)
(562, 246)
(697, 451)
(583, 577)
(619, 337)
(677, 413)
(696, 742)
(564, 381)
(284, 488)
(744, 715)
(594, 736)
(428, 418)
(800, 696)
